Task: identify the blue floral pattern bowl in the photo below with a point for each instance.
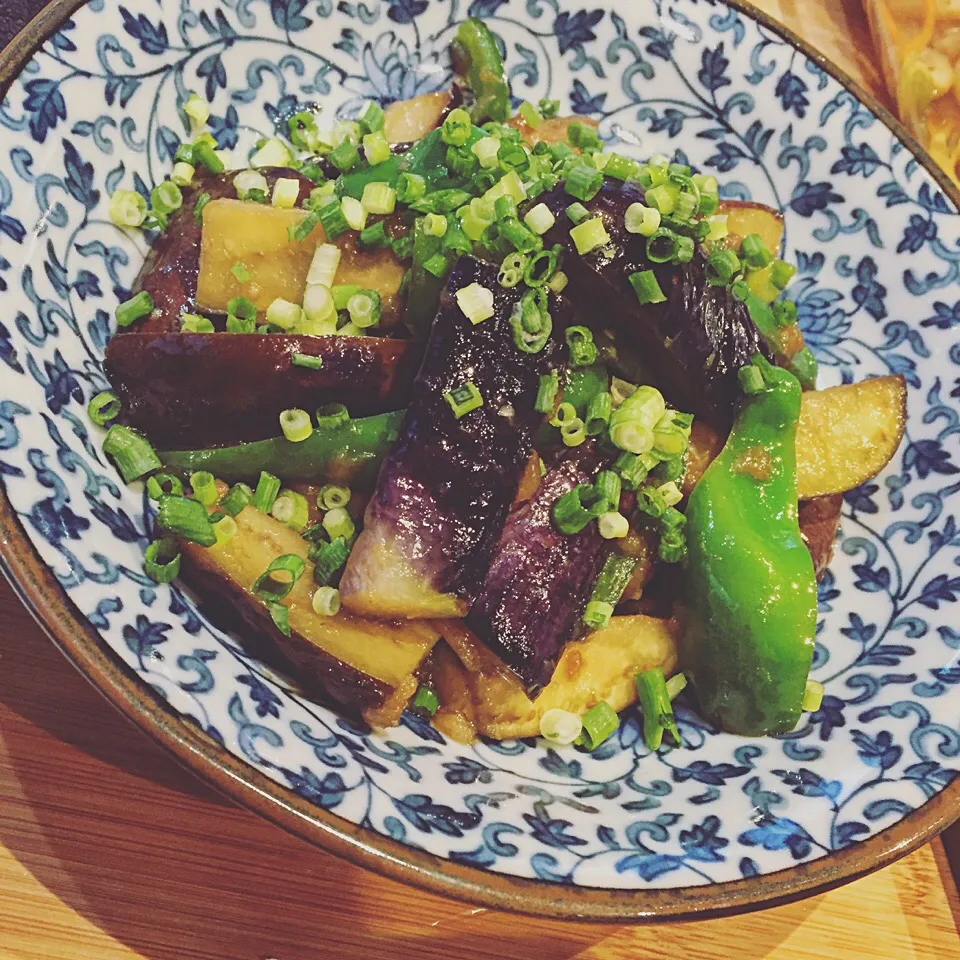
(876, 237)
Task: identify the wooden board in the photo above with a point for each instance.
(109, 851)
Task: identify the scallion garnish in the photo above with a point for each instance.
(530, 321)
(539, 219)
(268, 486)
(464, 399)
(597, 614)
(583, 181)
(425, 701)
(166, 197)
(332, 415)
(103, 408)
(331, 217)
(204, 487)
(338, 523)
(163, 483)
(511, 270)
(278, 579)
(379, 198)
(599, 724)
(642, 220)
(296, 425)
(577, 213)
(306, 361)
(280, 616)
(127, 208)
(608, 589)
(194, 323)
(376, 150)
(139, 305)
(560, 726)
(541, 268)
(344, 156)
(236, 498)
(240, 271)
(373, 237)
(410, 187)
(329, 559)
(589, 235)
(476, 302)
(583, 350)
(130, 452)
(364, 309)
(205, 154)
(613, 525)
(326, 601)
(599, 410)
(161, 560)
(456, 128)
(547, 393)
(662, 246)
(185, 518)
(646, 287)
(656, 708)
(754, 252)
(291, 509)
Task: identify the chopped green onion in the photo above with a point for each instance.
(784, 313)
(672, 547)
(486, 150)
(547, 393)
(425, 701)
(371, 117)
(268, 486)
(202, 201)
(204, 487)
(540, 268)
(240, 271)
(411, 187)
(331, 496)
(280, 616)
(549, 108)
(291, 509)
(161, 560)
(597, 614)
(374, 237)
(599, 724)
(456, 128)
(379, 198)
(754, 251)
(185, 518)
(286, 192)
(318, 304)
(455, 241)
(663, 198)
(607, 488)
(573, 433)
(375, 148)
(577, 213)
(670, 492)
(646, 287)
(782, 273)
(130, 452)
(204, 154)
(686, 206)
(583, 350)
(196, 109)
(127, 208)
(621, 168)
(364, 308)
(613, 579)
(344, 156)
(662, 246)
(621, 389)
(613, 525)
(339, 523)
(332, 216)
(518, 236)
(476, 302)
(641, 220)
(529, 114)
(166, 197)
(504, 208)
(599, 410)
(332, 415)
(723, 264)
(324, 265)
(511, 270)
(633, 470)
(812, 696)
(589, 235)
(435, 224)
(560, 726)
(539, 219)
(329, 559)
(163, 483)
(570, 514)
(558, 282)
(224, 528)
(281, 313)
(194, 323)
(306, 361)
(278, 579)
(676, 685)
(296, 425)
(583, 181)
(464, 399)
(326, 601)
(656, 708)
(236, 498)
(354, 212)
(566, 413)
(685, 248)
(531, 322)
(103, 408)
(133, 309)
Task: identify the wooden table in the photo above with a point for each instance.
(109, 851)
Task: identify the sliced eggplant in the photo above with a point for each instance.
(203, 390)
(169, 272)
(539, 579)
(447, 483)
(819, 521)
(356, 663)
(694, 342)
(601, 666)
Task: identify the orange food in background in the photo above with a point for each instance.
(919, 41)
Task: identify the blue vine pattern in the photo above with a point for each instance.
(878, 250)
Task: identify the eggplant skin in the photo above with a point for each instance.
(819, 520)
(695, 342)
(202, 390)
(539, 579)
(446, 486)
(169, 272)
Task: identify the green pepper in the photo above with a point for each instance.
(348, 454)
(802, 364)
(423, 293)
(751, 595)
(479, 67)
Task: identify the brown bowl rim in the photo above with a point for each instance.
(49, 604)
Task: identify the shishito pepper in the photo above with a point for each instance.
(348, 453)
(751, 593)
(479, 66)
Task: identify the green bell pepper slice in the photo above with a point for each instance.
(348, 454)
(751, 594)
(479, 67)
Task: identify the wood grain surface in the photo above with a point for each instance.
(109, 851)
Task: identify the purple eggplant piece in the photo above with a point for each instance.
(695, 342)
(169, 272)
(539, 579)
(446, 486)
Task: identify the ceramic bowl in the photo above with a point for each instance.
(724, 823)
